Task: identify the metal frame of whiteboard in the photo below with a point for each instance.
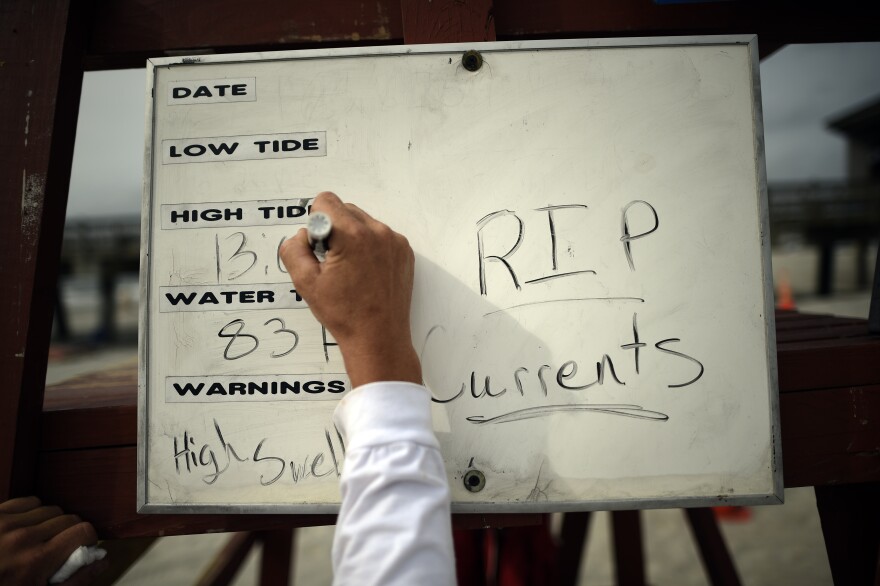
(774, 497)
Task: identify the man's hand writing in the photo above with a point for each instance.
(361, 293)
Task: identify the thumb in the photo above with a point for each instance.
(297, 256)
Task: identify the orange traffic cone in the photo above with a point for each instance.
(784, 296)
(735, 513)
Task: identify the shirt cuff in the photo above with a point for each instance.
(381, 413)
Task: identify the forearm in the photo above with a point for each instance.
(394, 524)
(368, 363)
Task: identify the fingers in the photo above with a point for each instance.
(297, 256)
(349, 222)
(49, 529)
(19, 505)
(32, 517)
(339, 211)
(58, 549)
(360, 214)
(328, 203)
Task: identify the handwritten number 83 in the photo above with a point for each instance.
(241, 344)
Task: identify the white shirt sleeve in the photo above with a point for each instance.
(394, 526)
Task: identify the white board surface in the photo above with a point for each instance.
(592, 304)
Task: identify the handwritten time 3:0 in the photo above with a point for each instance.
(235, 255)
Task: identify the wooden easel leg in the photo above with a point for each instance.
(275, 565)
(227, 563)
(629, 555)
(470, 559)
(713, 551)
(825, 281)
(575, 527)
(850, 516)
(527, 556)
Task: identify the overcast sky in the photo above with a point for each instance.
(802, 86)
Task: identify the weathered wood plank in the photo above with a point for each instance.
(823, 364)
(831, 436)
(124, 34)
(97, 409)
(88, 428)
(447, 21)
(772, 22)
(815, 321)
(829, 332)
(40, 81)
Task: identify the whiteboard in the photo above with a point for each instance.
(592, 304)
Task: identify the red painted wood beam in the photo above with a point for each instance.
(125, 33)
(447, 21)
(40, 82)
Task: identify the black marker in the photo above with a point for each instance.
(319, 228)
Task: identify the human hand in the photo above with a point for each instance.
(36, 540)
(361, 293)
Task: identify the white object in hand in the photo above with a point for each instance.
(81, 556)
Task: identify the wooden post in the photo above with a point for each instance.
(713, 551)
(575, 528)
(40, 81)
(850, 516)
(227, 563)
(629, 555)
(825, 274)
(277, 554)
(874, 314)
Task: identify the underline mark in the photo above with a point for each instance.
(634, 411)
(624, 299)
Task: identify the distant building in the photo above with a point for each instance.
(828, 213)
(861, 127)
